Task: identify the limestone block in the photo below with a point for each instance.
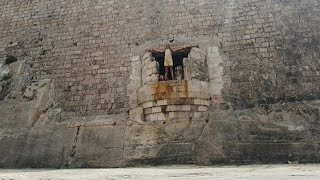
(197, 101)
(171, 108)
(182, 115)
(202, 108)
(148, 62)
(205, 102)
(144, 69)
(149, 72)
(147, 104)
(147, 117)
(148, 78)
(162, 102)
(151, 65)
(204, 95)
(108, 144)
(136, 114)
(141, 152)
(179, 88)
(155, 67)
(196, 68)
(197, 54)
(187, 69)
(135, 58)
(183, 107)
(148, 111)
(160, 116)
(142, 98)
(156, 109)
(149, 97)
(154, 78)
(195, 94)
(181, 95)
(153, 117)
(146, 56)
(186, 108)
(203, 84)
(4, 71)
(155, 70)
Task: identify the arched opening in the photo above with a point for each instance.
(178, 57)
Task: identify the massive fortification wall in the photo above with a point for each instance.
(73, 98)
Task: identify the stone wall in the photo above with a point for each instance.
(267, 48)
(271, 47)
(74, 102)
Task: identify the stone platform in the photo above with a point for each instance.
(168, 100)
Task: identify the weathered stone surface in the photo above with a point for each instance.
(4, 71)
(195, 66)
(72, 100)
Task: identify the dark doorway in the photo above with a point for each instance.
(178, 57)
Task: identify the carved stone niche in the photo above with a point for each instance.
(185, 99)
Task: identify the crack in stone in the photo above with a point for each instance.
(74, 145)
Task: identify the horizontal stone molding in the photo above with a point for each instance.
(174, 90)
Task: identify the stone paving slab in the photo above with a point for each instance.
(261, 172)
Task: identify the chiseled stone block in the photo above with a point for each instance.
(197, 101)
(161, 116)
(153, 117)
(149, 72)
(147, 117)
(183, 108)
(171, 108)
(181, 115)
(202, 108)
(156, 109)
(205, 102)
(146, 56)
(163, 102)
(147, 111)
(154, 78)
(147, 104)
(137, 114)
(186, 108)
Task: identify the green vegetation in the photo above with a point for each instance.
(10, 59)
(7, 77)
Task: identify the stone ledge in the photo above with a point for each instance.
(180, 89)
(175, 108)
(118, 119)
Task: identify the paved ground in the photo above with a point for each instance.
(261, 172)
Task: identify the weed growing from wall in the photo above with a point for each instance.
(10, 59)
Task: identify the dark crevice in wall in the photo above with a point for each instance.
(177, 55)
(74, 146)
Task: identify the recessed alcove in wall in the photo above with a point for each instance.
(178, 56)
(179, 99)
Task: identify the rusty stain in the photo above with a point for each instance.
(186, 88)
(165, 89)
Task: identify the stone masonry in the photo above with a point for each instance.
(84, 91)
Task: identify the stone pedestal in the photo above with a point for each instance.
(170, 100)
